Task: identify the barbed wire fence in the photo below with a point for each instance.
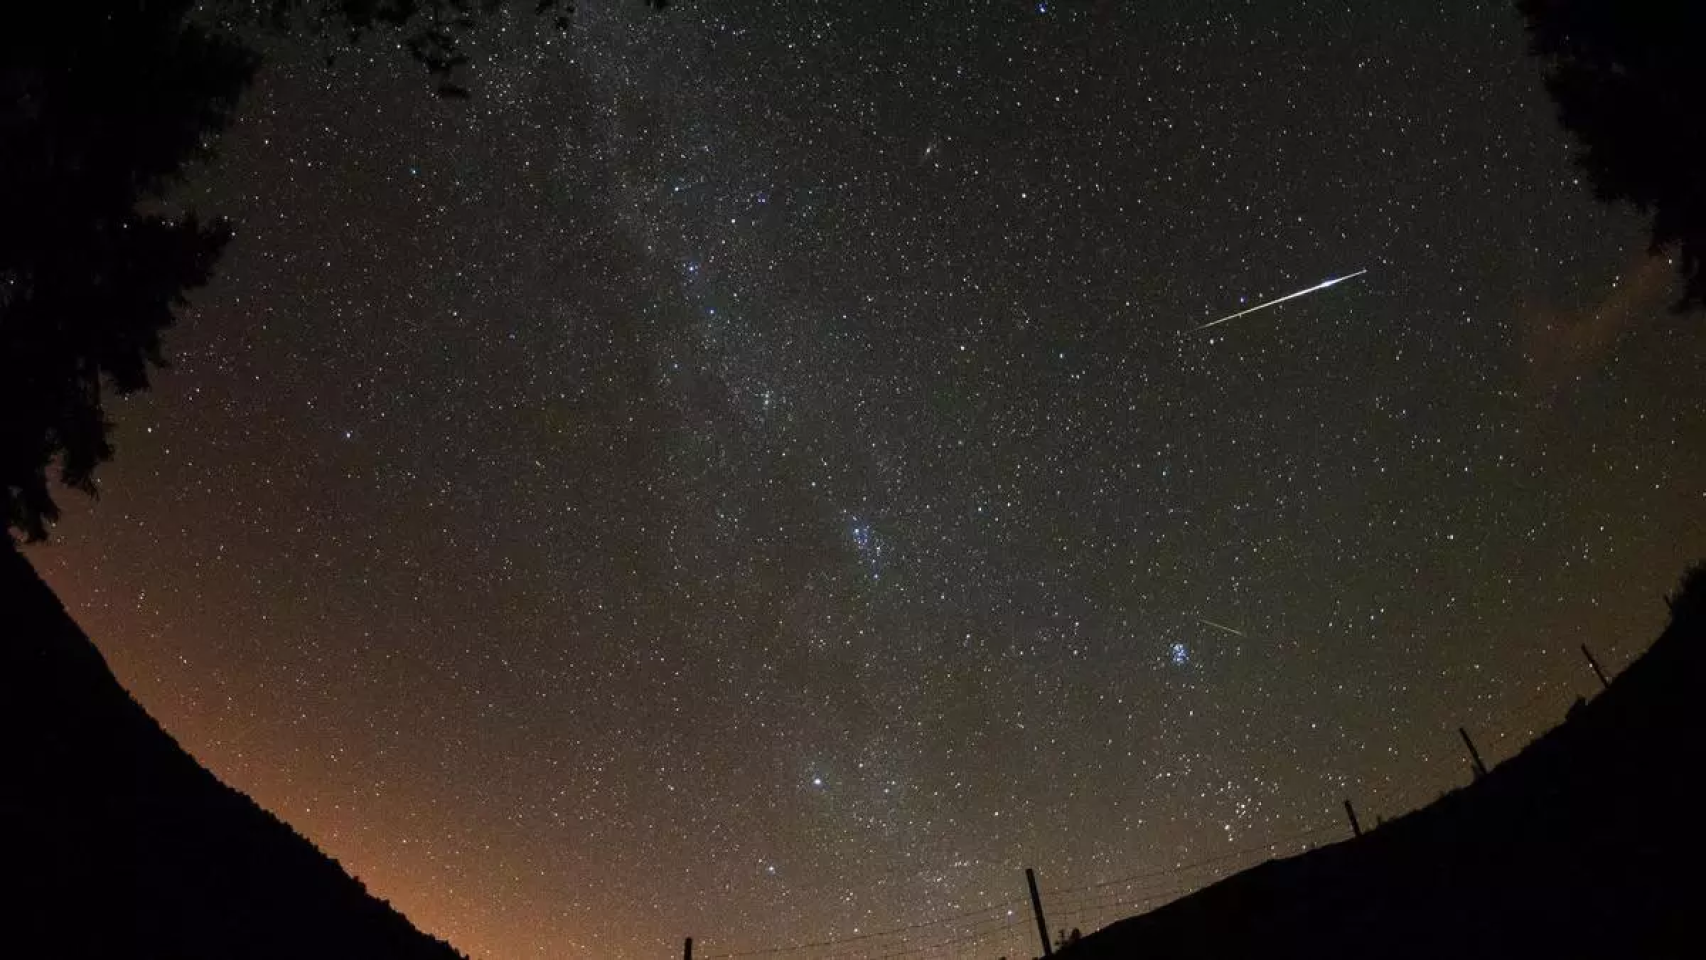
(1015, 929)
(909, 940)
(1009, 929)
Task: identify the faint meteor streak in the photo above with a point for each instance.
(1221, 626)
(1274, 303)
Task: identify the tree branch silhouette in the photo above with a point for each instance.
(102, 106)
(1628, 81)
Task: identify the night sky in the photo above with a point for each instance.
(746, 472)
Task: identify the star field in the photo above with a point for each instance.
(747, 472)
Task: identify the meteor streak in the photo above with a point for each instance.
(1274, 303)
(1221, 626)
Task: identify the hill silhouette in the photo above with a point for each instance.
(1586, 844)
(119, 844)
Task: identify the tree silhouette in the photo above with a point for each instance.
(432, 31)
(101, 107)
(1688, 602)
(1628, 80)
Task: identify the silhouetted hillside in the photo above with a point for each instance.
(118, 844)
(1586, 844)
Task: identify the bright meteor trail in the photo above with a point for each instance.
(1274, 303)
(1220, 626)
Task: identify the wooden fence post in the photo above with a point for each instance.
(1037, 908)
(1351, 812)
(1474, 754)
(1595, 665)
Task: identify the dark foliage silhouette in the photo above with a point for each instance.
(102, 106)
(1688, 603)
(1585, 844)
(432, 31)
(118, 844)
(1628, 80)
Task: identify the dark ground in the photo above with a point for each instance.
(1586, 844)
(118, 844)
